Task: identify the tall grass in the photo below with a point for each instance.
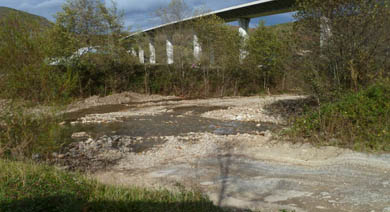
(30, 187)
(24, 134)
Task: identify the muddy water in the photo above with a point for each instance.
(181, 121)
(101, 109)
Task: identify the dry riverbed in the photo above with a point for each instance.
(227, 148)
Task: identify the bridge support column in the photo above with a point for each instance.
(197, 48)
(152, 50)
(169, 46)
(141, 55)
(243, 30)
(133, 52)
(326, 32)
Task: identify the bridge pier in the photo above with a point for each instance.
(243, 27)
(326, 32)
(152, 50)
(197, 48)
(169, 46)
(141, 55)
(133, 52)
(243, 30)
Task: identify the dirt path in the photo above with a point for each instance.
(226, 148)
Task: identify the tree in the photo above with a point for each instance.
(175, 11)
(24, 74)
(180, 35)
(267, 54)
(220, 51)
(91, 24)
(355, 43)
(90, 21)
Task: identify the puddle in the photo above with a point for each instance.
(152, 129)
(73, 116)
(181, 120)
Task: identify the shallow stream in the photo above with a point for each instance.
(179, 121)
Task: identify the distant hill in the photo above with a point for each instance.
(5, 11)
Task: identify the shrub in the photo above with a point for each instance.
(23, 134)
(358, 120)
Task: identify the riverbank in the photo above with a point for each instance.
(228, 148)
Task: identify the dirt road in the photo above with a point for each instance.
(227, 149)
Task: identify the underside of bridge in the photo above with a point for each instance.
(256, 9)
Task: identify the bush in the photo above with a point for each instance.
(102, 73)
(32, 188)
(24, 134)
(358, 120)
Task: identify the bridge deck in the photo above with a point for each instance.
(253, 9)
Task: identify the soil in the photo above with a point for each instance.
(226, 147)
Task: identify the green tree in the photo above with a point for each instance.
(180, 35)
(23, 72)
(176, 10)
(90, 20)
(347, 41)
(90, 23)
(268, 52)
(220, 51)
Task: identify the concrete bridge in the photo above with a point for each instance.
(241, 13)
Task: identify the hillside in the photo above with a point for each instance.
(5, 11)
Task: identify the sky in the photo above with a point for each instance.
(139, 14)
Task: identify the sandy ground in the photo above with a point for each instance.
(255, 169)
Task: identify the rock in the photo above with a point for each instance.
(36, 156)
(80, 135)
(90, 140)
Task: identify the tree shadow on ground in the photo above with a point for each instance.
(291, 108)
(70, 204)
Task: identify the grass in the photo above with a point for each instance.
(360, 121)
(31, 187)
(24, 134)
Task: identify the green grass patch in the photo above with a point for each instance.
(359, 121)
(30, 187)
(24, 133)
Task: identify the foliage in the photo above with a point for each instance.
(29, 187)
(104, 72)
(23, 134)
(269, 51)
(175, 11)
(90, 21)
(23, 72)
(357, 120)
(346, 44)
(220, 49)
(90, 24)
